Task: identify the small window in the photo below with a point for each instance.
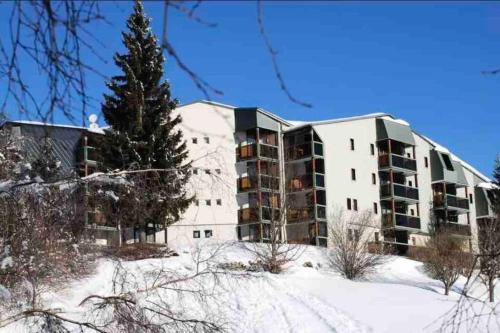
(410, 183)
(372, 149)
(355, 204)
(426, 162)
(197, 202)
(194, 140)
(413, 241)
(218, 171)
(350, 234)
(349, 204)
(376, 237)
(207, 139)
(356, 235)
(208, 233)
(470, 198)
(219, 202)
(374, 179)
(408, 155)
(375, 208)
(196, 234)
(208, 202)
(207, 171)
(412, 212)
(353, 174)
(352, 144)
(447, 162)
(195, 171)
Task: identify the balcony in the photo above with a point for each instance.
(295, 215)
(450, 201)
(400, 220)
(399, 192)
(248, 215)
(246, 152)
(268, 151)
(300, 183)
(397, 162)
(250, 183)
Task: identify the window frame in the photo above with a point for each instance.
(196, 234)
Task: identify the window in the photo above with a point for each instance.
(355, 204)
(352, 144)
(408, 155)
(218, 171)
(426, 162)
(195, 171)
(194, 140)
(375, 208)
(349, 204)
(374, 179)
(376, 237)
(372, 149)
(207, 171)
(356, 234)
(197, 202)
(219, 202)
(207, 139)
(196, 234)
(447, 162)
(208, 202)
(350, 234)
(410, 183)
(413, 241)
(412, 212)
(470, 198)
(208, 233)
(353, 174)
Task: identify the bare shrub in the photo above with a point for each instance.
(351, 237)
(445, 259)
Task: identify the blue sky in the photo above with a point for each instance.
(418, 61)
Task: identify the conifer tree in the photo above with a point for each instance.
(144, 133)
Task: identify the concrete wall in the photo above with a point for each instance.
(339, 159)
(200, 121)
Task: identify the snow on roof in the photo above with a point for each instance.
(99, 130)
(298, 124)
(485, 185)
(399, 121)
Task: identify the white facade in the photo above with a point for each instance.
(350, 150)
(208, 129)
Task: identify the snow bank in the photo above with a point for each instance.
(398, 298)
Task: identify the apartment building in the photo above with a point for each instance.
(251, 165)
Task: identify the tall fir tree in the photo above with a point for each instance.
(496, 188)
(144, 133)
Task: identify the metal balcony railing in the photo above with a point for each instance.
(397, 161)
(398, 190)
(400, 220)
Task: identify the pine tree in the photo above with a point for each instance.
(144, 133)
(496, 190)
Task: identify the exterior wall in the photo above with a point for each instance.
(422, 150)
(340, 159)
(471, 219)
(215, 122)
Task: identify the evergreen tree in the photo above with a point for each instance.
(496, 189)
(143, 133)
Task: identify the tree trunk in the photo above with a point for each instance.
(446, 289)
(491, 289)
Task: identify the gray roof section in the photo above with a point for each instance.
(387, 129)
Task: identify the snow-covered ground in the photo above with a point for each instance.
(398, 298)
